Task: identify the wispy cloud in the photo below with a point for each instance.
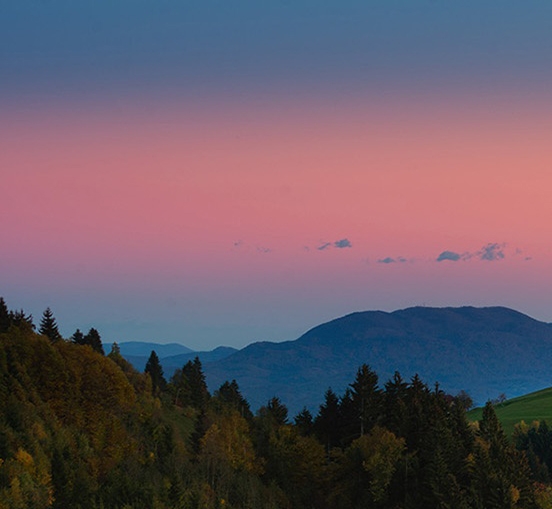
(324, 246)
(389, 259)
(491, 252)
(338, 244)
(240, 244)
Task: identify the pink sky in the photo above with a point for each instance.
(221, 210)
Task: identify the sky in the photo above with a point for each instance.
(218, 173)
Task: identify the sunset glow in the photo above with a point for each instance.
(225, 218)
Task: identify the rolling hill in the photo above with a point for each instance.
(536, 406)
(484, 351)
(171, 355)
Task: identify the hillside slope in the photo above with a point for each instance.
(484, 351)
(536, 406)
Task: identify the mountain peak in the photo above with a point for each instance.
(484, 351)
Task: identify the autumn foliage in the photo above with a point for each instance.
(79, 429)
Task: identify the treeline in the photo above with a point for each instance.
(79, 429)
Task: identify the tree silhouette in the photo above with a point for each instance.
(155, 371)
(93, 339)
(78, 337)
(48, 326)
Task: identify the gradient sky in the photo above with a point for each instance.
(223, 172)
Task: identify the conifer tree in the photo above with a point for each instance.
(48, 326)
(4, 316)
(304, 422)
(328, 421)
(155, 371)
(366, 398)
(192, 371)
(278, 411)
(78, 337)
(93, 339)
(21, 320)
(229, 394)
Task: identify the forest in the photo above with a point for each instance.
(80, 428)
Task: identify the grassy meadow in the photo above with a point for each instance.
(536, 406)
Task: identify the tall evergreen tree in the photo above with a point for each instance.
(367, 398)
(78, 337)
(48, 326)
(155, 371)
(193, 372)
(304, 422)
(278, 411)
(229, 394)
(4, 316)
(93, 339)
(328, 421)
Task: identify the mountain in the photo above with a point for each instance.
(174, 362)
(484, 351)
(172, 355)
(141, 349)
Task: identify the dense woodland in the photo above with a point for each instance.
(82, 429)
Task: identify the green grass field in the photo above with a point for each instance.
(536, 406)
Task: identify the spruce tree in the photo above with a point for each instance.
(4, 316)
(327, 424)
(193, 372)
(366, 398)
(21, 320)
(48, 326)
(229, 395)
(78, 337)
(155, 371)
(94, 340)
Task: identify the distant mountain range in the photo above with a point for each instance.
(484, 351)
(172, 356)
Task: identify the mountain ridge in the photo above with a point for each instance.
(482, 350)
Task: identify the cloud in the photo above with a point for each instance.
(389, 259)
(340, 244)
(492, 252)
(248, 248)
(450, 256)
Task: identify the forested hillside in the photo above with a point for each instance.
(81, 429)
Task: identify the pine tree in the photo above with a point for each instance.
(48, 326)
(328, 421)
(155, 371)
(229, 394)
(304, 422)
(78, 337)
(94, 340)
(21, 320)
(278, 411)
(192, 371)
(366, 398)
(4, 316)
